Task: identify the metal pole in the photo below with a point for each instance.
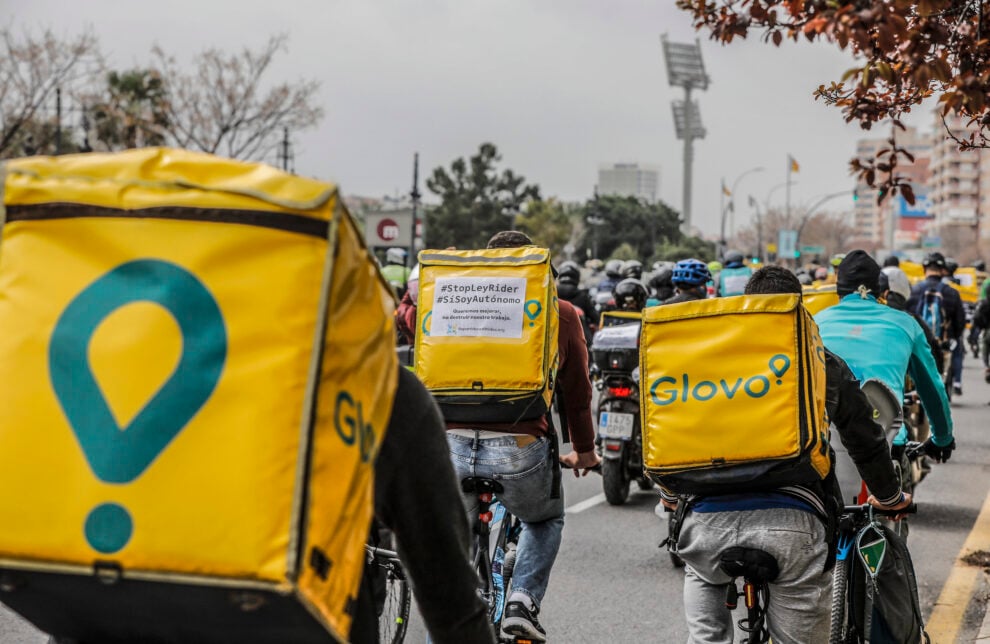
(414, 194)
(688, 158)
(58, 120)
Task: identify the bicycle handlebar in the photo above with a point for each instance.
(866, 507)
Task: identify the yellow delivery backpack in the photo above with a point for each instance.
(196, 372)
(818, 298)
(733, 395)
(486, 345)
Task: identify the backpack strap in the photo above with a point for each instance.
(554, 458)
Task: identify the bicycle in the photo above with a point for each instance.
(862, 539)
(496, 533)
(394, 600)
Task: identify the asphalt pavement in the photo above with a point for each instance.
(611, 583)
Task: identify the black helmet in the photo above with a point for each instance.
(934, 259)
(980, 265)
(733, 257)
(613, 268)
(630, 295)
(569, 273)
(951, 265)
(662, 278)
(632, 268)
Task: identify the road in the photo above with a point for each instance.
(612, 584)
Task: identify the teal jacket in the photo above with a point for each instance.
(879, 342)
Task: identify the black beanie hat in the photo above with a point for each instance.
(857, 269)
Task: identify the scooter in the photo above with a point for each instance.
(615, 362)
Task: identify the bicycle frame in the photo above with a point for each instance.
(494, 558)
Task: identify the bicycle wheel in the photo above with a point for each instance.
(840, 580)
(394, 619)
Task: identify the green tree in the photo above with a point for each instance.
(476, 200)
(549, 224)
(132, 111)
(625, 252)
(686, 247)
(614, 220)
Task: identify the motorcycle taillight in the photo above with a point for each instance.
(620, 392)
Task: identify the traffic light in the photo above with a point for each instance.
(797, 254)
(855, 194)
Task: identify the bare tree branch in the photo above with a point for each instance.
(223, 104)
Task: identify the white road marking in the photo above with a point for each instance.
(581, 506)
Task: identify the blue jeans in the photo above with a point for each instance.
(957, 361)
(526, 475)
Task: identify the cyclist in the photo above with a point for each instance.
(952, 312)
(661, 284)
(895, 288)
(879, 342)
(981, 321)
(789, 522)
(690, 280)
(395, 271)
(417, 497)
(518, 456)
(630, 295)
(632, 268)
(733, 277)
(405, 314)
(613, 275)
(569, 289)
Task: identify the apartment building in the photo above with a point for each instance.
(629, 180)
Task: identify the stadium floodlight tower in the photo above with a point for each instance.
(686, 69)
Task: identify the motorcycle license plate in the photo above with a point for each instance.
(612, 424)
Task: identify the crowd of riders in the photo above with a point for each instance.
(924, 349)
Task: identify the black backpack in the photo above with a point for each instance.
(896, 608)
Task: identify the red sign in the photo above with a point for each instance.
(388, 229)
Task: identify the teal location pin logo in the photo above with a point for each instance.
(120, 454)
(533, 309)
(779, 364)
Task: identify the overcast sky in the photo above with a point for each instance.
(560, 86)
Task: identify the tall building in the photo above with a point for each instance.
(960, 188)
(629, 180)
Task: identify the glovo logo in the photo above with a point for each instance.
(117, 454)
(668, 390)
(348, 420)
(533, 308)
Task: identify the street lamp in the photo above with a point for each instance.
(731, 205)
(685, 69)
(753, 203)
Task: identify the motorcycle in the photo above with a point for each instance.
(615, 367)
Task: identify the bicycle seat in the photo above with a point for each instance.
(480, 484)
(752, 564)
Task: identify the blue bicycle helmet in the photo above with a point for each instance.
(691, 272)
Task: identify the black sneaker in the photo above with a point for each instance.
(957, 389)
(519, 621)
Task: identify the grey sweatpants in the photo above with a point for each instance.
(800, 598)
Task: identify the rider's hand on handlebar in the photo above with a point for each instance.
(904, 503)
(580, 462)
(939, 454)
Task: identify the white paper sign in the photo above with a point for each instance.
(488, 307)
